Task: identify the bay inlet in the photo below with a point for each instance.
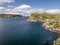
(18, 31)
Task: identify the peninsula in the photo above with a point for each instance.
(9, 16)
(51, 22)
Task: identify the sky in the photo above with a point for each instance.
(26, 7)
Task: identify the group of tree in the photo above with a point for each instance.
(44, 16)
(9, 16)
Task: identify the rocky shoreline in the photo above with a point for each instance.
(51, 27)
(56, 31)
(49, 22)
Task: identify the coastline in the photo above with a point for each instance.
(56, 31)
(9, 16)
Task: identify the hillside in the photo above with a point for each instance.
(9, 16)
(51, 22)
(43, 16)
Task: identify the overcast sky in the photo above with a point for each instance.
(26, 7)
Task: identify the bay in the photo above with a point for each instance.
(18, 31)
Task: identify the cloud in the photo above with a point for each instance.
(35, 10)
(27, 10)
(1, 8)
(53, 11)
(8, 1)
(23, 7)
(5, 1)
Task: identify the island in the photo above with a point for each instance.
(50, 22)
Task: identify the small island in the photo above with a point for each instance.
(50, 22)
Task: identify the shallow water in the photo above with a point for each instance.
(18, 31)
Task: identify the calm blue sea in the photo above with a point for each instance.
(18, 31)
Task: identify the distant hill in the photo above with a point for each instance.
(9, 16)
